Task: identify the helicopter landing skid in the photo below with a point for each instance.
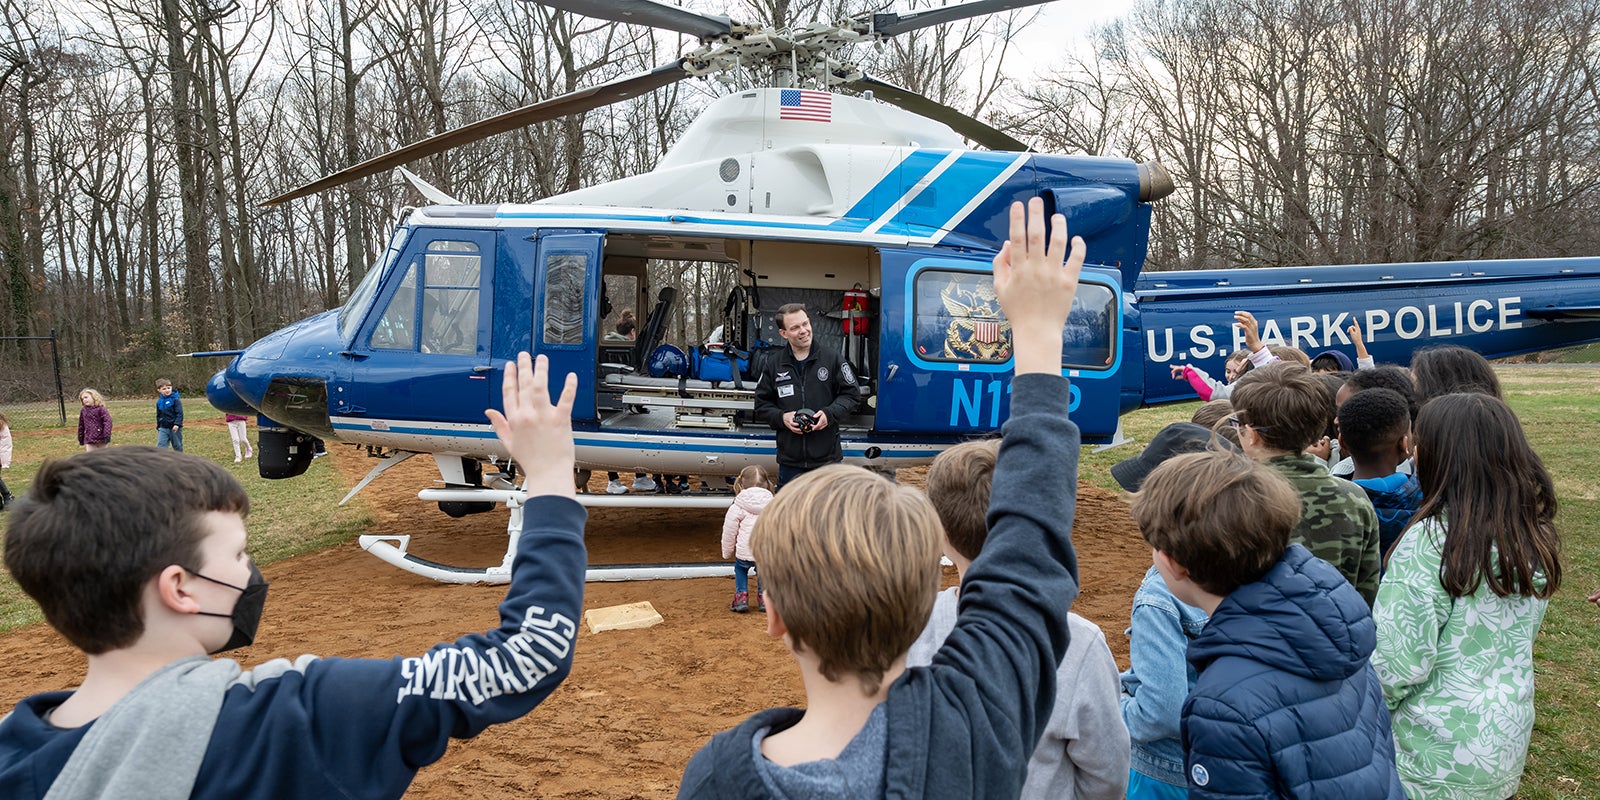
(392, 548)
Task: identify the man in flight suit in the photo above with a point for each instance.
(804, 376)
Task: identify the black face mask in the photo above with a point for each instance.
(246, 613)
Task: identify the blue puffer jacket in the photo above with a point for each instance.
(1287, 704)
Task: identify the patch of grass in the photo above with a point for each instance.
(287, 517)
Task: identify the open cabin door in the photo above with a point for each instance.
(566, 312)
(422, 355)
(946, 365)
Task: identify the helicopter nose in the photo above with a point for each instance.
(224, 398)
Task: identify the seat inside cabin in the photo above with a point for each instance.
(701, 305)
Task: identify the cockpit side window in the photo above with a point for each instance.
(396, 329)
(450, 298)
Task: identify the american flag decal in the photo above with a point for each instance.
(986, 332)
(805, 104)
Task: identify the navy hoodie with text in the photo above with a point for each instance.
(361, 728)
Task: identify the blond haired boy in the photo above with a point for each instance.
(851, 563)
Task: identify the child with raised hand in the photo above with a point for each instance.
(1285, 702)
(137, 556)
(1465, 593)
(850, 564)
(752, 492)
(1239, 362)
(1084, 751)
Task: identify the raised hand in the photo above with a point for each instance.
(1252, 329)
(1355, 337)
(538, 434)
(1036, 283)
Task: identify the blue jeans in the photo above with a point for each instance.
(167, 437)
(741, 575)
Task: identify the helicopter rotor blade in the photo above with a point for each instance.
(895, 24)
(967, 126)
(646, 12)
(570, 103)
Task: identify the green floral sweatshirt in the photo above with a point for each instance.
(1457, 674)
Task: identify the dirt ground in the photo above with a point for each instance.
(637, 704)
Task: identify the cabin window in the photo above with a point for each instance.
(395, 330)
(1089, 339)
(565, 275)
(356, 307)
(450, 298)
(957, 318)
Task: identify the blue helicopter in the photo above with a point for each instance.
(878, 217)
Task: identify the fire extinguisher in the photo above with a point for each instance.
(855, 311)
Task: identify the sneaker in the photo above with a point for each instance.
(761, 602)
(237, 459)
(642, 483)
(741, 602)
(616, 487)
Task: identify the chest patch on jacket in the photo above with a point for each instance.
(1199, 775)
(822, 373)
(783, 376)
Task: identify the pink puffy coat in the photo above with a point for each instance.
(741, 521)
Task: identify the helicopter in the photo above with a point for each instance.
(869, 208)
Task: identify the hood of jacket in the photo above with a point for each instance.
(1303, 617)
(753, 499)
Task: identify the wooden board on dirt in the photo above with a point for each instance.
(622, 618)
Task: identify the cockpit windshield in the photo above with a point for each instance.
(356, 307)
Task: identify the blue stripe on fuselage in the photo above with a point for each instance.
(891, 188)
(953, 189)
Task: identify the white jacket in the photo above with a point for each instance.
(741, 521)
(5, 446)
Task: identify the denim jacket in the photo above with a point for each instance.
(1152, 704)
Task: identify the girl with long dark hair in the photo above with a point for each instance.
(1465, 592)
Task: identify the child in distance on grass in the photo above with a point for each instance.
(850, 563)
(238, 433)
(752, 492)
(169, 416)
(137, 556)
(5, 459)
(1285, 703)
(94, 421)
(1084, 751)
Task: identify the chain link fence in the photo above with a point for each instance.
(31, 394)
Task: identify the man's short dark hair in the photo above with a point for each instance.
(95, 527)
(627, 326)
(1285, 403)
(1386, 376)
(1371, 421)
(789, 308)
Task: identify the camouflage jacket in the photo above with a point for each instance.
(1337, 522)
